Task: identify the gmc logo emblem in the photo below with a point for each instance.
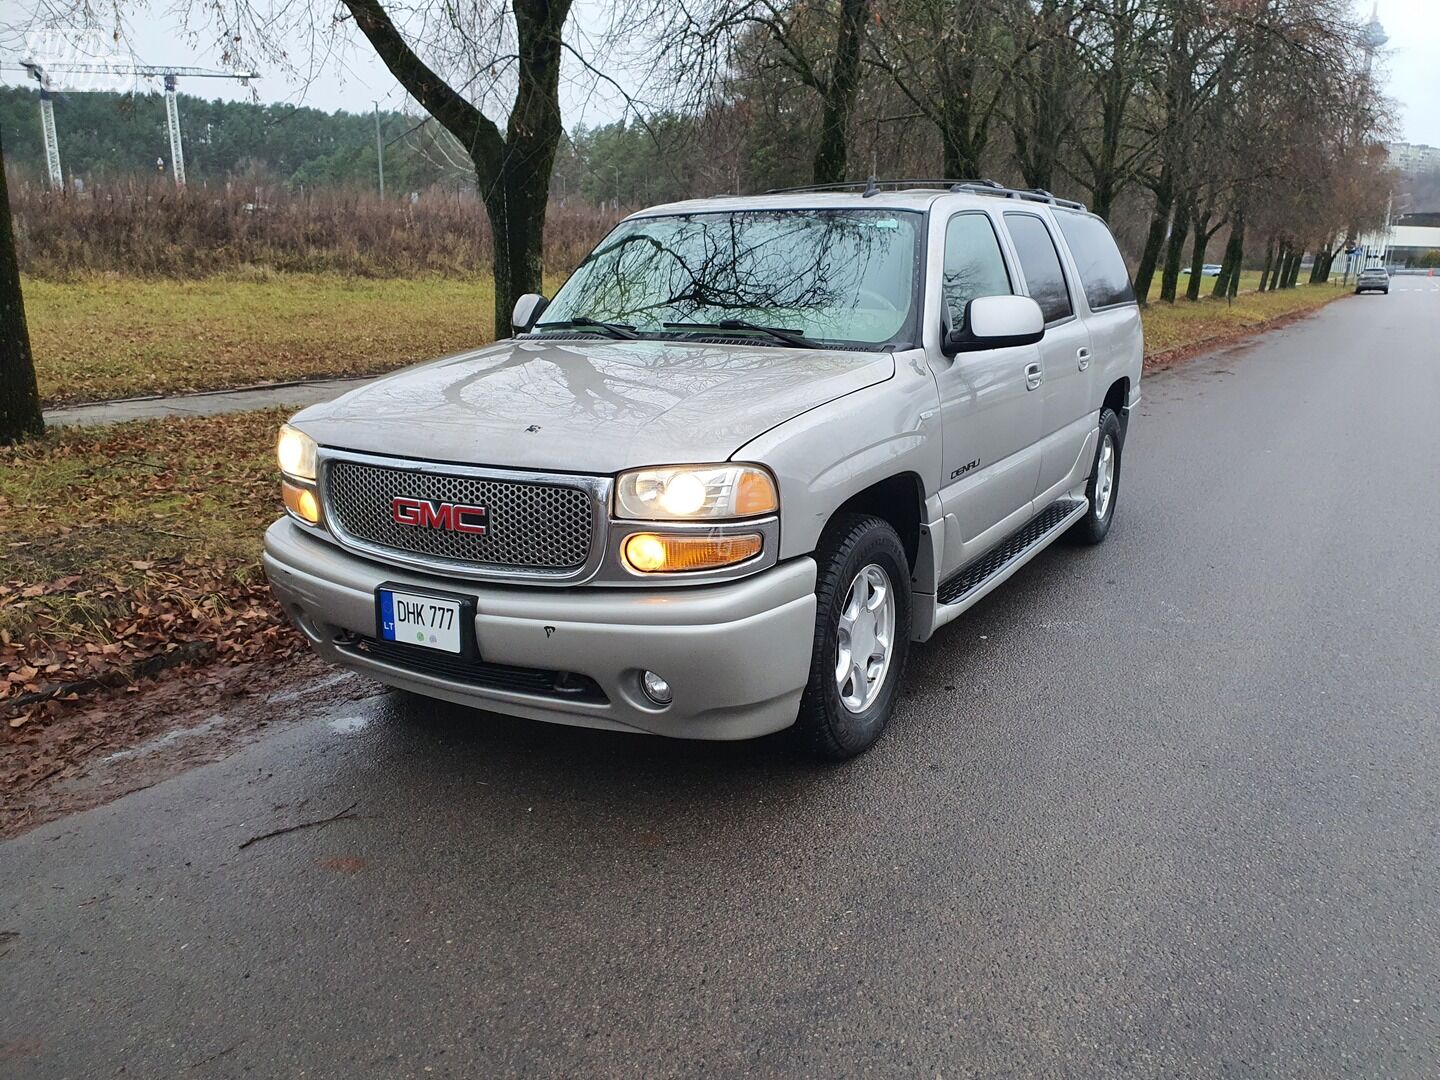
(424, 514)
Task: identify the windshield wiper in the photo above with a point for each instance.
(790, 337)
(614, 330)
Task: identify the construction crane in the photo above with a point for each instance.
(171, 75)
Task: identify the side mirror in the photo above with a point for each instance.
(997, 322)
(528, 310)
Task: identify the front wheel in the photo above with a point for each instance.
(1104, 486)
(862, 637)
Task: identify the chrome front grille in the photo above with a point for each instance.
(538, 527)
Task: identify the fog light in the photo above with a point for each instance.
(656, 688)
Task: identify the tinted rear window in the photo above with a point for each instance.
(1102, 267)
(1041, 263)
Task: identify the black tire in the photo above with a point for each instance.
(826, 728)
(1091, 529)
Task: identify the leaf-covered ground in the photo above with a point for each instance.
(1185, 324)
(127, 549)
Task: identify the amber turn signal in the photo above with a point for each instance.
(658, 553)
(755, 494)
(301, 502)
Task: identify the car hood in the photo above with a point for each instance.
(589, 406)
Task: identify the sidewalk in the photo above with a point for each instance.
(209, 403)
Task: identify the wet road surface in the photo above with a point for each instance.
(1169, 806)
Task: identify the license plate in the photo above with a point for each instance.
(431, 622)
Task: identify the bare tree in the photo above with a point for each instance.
(1114, 40)
(949, 61)
(1042, 115)
(512, 169)
(815, 42)
(1200, 49)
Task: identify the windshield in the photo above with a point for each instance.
(846, 276)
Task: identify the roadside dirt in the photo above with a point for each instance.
(1175, 357)
(121, 743)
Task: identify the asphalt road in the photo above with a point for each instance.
(1166, 807)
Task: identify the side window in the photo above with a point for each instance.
(1041, 263)
(1102, 268)
(973, 264)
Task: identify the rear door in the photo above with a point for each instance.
(1105, 289)
(1065, 351)
(991, 420)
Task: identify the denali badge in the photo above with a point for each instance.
(425, 514)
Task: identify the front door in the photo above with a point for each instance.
(991, 416)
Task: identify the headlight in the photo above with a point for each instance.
(695, 492)
(296, 452)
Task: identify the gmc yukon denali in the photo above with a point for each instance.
(752, 449)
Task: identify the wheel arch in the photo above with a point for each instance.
(1117, 399)
(898, 500)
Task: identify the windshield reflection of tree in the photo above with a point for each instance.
(767, 268)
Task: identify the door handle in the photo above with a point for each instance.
(1034, 376)
(1083, 355)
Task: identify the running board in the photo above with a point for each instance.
(960, 592)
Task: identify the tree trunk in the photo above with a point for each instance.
(20, 416)
(513, 170)
(1115, 92)
(1295, 268)
(1155, 237)
(964, 126)
(1278, 281)
(1044, 113)
(516, 198)
(1269, 263)
(1197, 255)
(517, 229)
(957, 162)
(1175, 249)
(1228, 283)
(1281, 279)
(839, 94)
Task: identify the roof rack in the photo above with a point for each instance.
(874, 186)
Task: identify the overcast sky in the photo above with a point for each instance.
(354, 78)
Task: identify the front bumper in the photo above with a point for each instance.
(736, 655)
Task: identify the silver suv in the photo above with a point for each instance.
(752, 449)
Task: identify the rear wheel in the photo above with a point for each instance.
(1104, 486)
(862, 637)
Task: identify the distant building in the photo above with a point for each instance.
(1409, 244)
(1413, 158)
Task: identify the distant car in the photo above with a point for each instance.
(1208, 270)
(1373, 279)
